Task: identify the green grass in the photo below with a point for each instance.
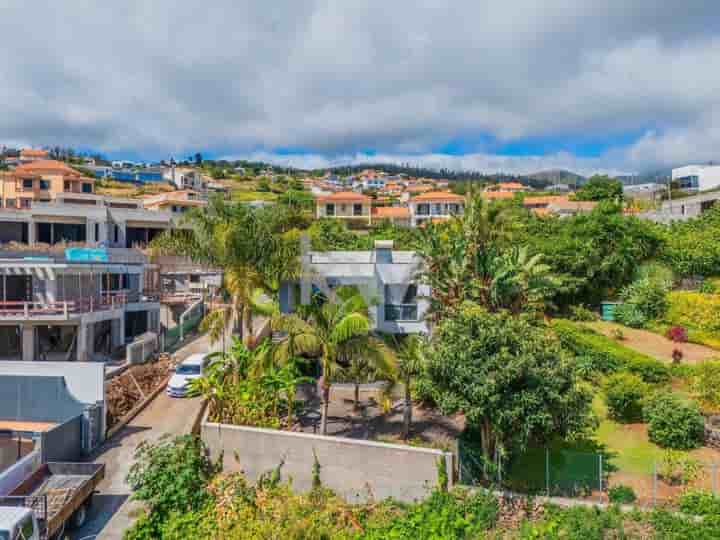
(241, 195)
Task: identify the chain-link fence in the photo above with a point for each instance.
(591, 476)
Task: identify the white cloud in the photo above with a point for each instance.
(339, 78)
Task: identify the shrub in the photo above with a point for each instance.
(678, 468)
(648, 296)
(621, 494)
(596, 353)
(650, 370)
(677, 356)
(705, 384)
(657, 272)
(674, 423)
(678, 334)
(700, 503)
(582, 314)
(630, 315)
(707, 287)
(624, 393)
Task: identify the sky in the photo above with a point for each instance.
(491, 85)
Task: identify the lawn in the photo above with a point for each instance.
(242, 195)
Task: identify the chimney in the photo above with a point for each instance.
(383, 251)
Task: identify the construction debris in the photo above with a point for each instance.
(125, 391)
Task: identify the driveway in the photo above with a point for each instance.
(111, 512)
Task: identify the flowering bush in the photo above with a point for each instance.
(678, 334)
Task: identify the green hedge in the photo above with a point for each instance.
(599, 353)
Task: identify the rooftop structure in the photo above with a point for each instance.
(347, 205)
(176, 202)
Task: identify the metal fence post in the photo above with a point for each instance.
(654, 484)
(547, 470)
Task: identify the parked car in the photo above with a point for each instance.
(191, 368)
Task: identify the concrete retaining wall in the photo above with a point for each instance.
(352, 468)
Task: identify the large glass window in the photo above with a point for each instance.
(401, 303)
(45, 184)
(27, 184)
(86, 188)
(688, 182)
(329, 209)
(423, 209)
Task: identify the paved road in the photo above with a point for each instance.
(112, 510)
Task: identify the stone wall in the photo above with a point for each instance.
(355, 469)
(712, 436)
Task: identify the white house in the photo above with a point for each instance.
(697, 177)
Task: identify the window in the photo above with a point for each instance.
(97, 232)
(25, 203)
(86, 187)
(66, 185)
(194, 278)
(9, 203)
(423, 209)
(688, 182)
(45, 184)
(357, 210)
(329, 209)
(401, 303)
(27, 184)
(117, 233)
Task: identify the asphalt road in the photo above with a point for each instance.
(112, 510)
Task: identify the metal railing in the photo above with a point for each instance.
(27, 310)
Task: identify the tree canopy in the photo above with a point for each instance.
(600, 188)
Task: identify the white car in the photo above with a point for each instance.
(193, 367)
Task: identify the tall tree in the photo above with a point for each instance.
(509, 376)
(411, 363)
(332, 330)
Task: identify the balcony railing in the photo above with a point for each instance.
(39, 310)
(401, 312)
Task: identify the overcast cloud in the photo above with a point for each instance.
(403, 79)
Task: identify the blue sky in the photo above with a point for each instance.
(515, 86)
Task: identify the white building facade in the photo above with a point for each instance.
(697, 177)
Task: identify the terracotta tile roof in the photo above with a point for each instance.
(32, 153)
(438, 196)
(342, 196)
(418, 189)
(541, 211)
(46, 165)
(497, 195)
(545, 200)
(398, 212)
(580, 206)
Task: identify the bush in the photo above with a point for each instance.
(583, 314)
(705, 384)
(596, 353)
(630, 315)
(657, 272)
(674, 423)
(707, 287)
(643, 300)
(677, 467)
(700, 503)
(678, 334)
(621, 494)
(624, 393)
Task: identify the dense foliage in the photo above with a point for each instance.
(595, 253)
(509, 376)
(595, 352)
(329, 234)
(624, 393)
(692, 247)
(705, 384)
(620, 494)
(700, 503)
(673, 422)
(600, 188)
(643, 300)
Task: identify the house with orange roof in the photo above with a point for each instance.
(542, 202)
(28, 155)
(346, 205)
(176, 202)
(513, 187)
(41, 181)
(497, 195)
(397, 215)
(434, 205)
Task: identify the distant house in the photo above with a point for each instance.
(697, 177)
(346, 205)
(184, 178)
(435, 205)
(570, 208)
(397, 215)
(176, 202)
(41, 181)
(542, 202)
(28, 155)
(387, 278)
(647, 190)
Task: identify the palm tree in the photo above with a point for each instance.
(410, 353)
(331, 330)
(253, 247)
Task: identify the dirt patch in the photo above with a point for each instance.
(655, 345)
(133, 385)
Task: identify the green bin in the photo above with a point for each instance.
(608, 310)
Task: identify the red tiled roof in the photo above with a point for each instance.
(342, 196)
(548, 199)
(397, 212)
(497, 195)
(32, 153)
(438, 196)
(46, 165)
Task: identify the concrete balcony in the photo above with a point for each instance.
(60, 311)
